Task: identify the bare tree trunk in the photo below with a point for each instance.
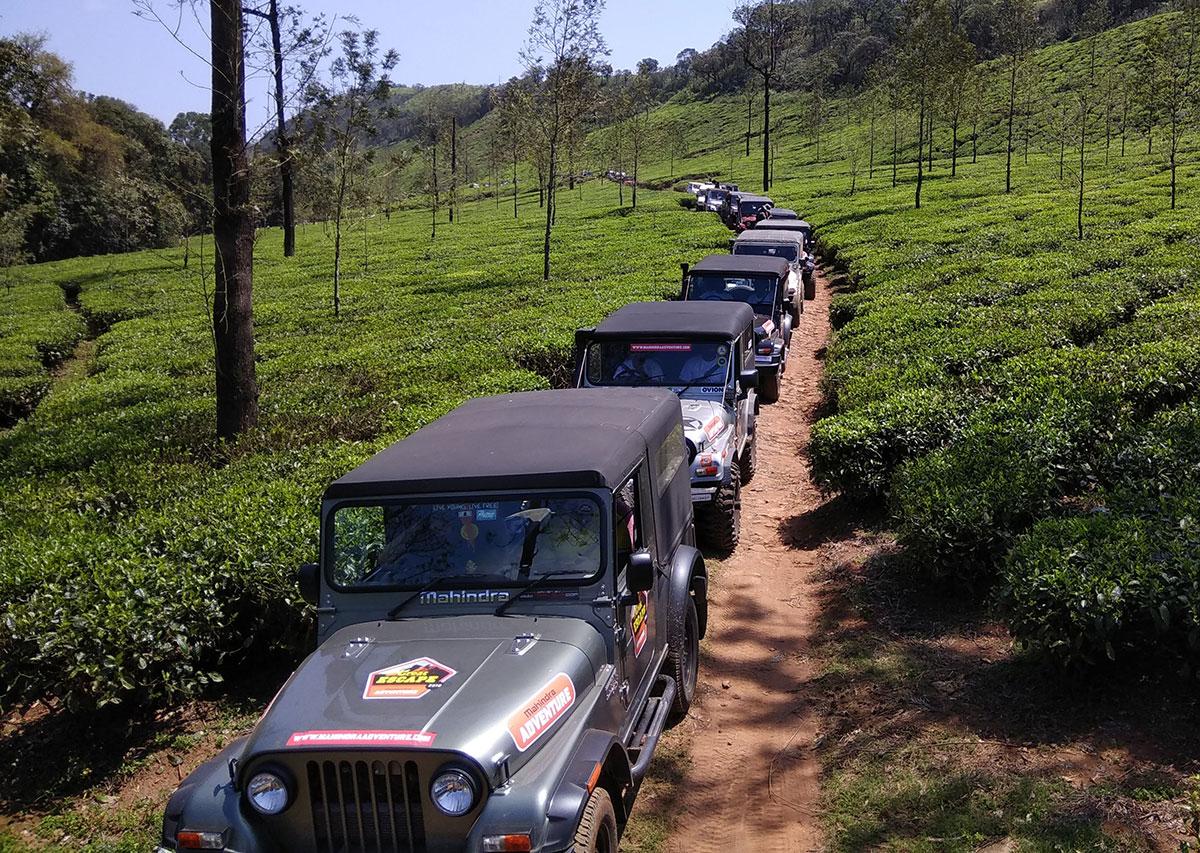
(1124, 120)
(766, 132)
(453, 165)
(871, 168)
(954, 146)
(749, 119)
(635, 173)
(975, 137)
(895, 144)
(283, 142)
(1082, 151)
(337, 240)
(433, 171)
(931, 141)
(514, 153)
(920, 148)
(233, 227)
(1012, 108)
(549, 211)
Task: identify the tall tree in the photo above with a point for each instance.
(342, 111)
(1018, 36)
(924, 32)
(1173, 58)
(760, 39)
(309, 44)
(564, 41)
(233, 226)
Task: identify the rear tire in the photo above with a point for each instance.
(768, 387)
(683, 659)
(597, 831)
(748, 462)
(721, 520)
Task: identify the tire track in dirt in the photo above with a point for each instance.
(753, 781)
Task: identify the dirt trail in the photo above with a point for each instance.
(753, 780)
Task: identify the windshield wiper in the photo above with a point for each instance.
(531, 585)
(429, 586)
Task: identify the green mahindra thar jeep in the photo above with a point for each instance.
(509, 607)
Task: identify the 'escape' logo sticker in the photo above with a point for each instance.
(542, 711)
(640, 629)
(409, 680)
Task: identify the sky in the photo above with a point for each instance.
(113, 52)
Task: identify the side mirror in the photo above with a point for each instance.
(749, 378)
(639, 577)
(309, 578)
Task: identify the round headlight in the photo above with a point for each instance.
(267, 793)
(453, 792)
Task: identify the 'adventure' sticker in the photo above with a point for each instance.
(534, 718)
(362, 738)
(409, 680)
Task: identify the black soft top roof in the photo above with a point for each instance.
(753, 197)
(769, 224)
(749, 264)
(771, 235)
(783, 213)
(719, 319)
(575, 438)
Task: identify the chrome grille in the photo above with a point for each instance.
(366, 806)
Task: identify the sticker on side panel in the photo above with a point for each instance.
(409, 680)
(359, 737)
(546, 707)
(640, 628)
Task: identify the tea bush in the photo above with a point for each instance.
(139, 559)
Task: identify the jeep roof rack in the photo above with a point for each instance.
(719, 319)
(751, 264)
(574, 438)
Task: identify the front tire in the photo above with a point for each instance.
(768, 387)
(748, 463)
(683, 659)
(597, 832)
(721, 520)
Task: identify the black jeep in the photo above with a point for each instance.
(704, 352)
(802, 228)
(509, 607)
(760, 282)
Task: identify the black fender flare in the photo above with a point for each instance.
(688, 576)
(597, 748)
(208, 800)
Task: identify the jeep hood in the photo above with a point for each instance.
(464, 684)
(704, 421)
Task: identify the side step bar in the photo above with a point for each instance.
(649, 729)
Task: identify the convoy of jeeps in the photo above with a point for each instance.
(510, 601)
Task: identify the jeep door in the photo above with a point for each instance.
(634, 527)
(746, 399)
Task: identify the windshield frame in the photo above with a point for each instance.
(730, 374)
(777, 287)
(602, 497)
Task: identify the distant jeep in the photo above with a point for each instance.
(704, 352)
(781, 244)
(796, 226)
(761, 283)
(509, 606)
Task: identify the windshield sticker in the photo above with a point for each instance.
(361, 738)
(485, 514)
(660, 348)
(409, 680)
(465, 596)
(542, 711)
(640, 628)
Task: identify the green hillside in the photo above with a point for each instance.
(1023, 400)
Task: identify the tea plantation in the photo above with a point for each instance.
(139, 557)
(1024, 401)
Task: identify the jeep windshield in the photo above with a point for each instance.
(751, 208)
(774, 250)
(757, 291)
(700, 364)
(465, 542)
